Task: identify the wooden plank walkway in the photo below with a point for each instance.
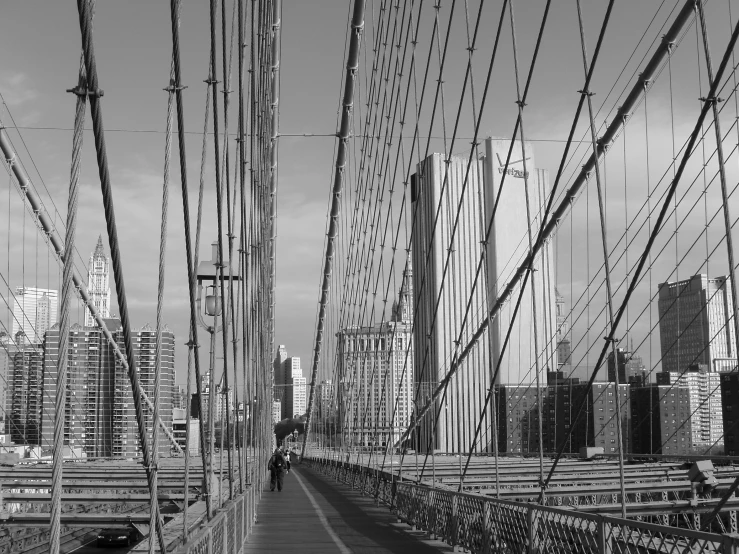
(314, 513)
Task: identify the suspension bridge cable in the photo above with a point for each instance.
(96, 113)
(657, 227)
(352, 65)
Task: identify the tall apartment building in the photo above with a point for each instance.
(34, 311)
(660, 422)
(437, 329)
(695, 324)
(23, 404)
(704, 403)
(8, 348)
(125, 430)
(90, 392)
(98, 287)
(294, 397)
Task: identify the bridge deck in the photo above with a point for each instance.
(315, 514)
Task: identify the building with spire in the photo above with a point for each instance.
(98, 283)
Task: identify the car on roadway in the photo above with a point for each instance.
(118, 536)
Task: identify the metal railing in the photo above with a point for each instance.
(229, 529)
(487, 525)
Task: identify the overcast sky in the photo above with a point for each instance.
(40, 43)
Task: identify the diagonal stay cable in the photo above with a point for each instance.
(652, 237)
(564, 207)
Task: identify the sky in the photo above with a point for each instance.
(41, 47)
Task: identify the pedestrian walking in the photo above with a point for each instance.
(278, 465)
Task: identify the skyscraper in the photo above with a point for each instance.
(376, 374)
(34, 311)
(88, 419)
(445, 323)
(696, 324)
(24, 394)
(125, 430)
(98, 283)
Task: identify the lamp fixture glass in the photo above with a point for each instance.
(212, 302)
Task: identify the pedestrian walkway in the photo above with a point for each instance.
(314, 513)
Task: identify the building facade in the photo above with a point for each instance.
(98, 286)
(443, 322)
(730, 412)
(34, 312)
(24, 394)
(90, 392)
(696, 324)
(375, 368)
(660, 420)
(704, 403)
(125, 431)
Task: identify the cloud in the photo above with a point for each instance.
(16, 89)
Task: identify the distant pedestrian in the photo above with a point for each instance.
(277, 466)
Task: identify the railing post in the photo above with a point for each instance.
(532, 518)
(604, 536)
(455, 522)
(487, 528)
(431, 515)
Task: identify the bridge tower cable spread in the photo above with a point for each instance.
(341, 157)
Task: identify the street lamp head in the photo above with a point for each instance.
(212, 302)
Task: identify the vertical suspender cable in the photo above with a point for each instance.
(273, 143)
(85, 18)
(175, 11)
(153, 515)
(606, 264)
(651, 69)
(67, 291)
(722, 174)
(344, 129)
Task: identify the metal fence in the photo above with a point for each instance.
(487, 525)
(229, 529)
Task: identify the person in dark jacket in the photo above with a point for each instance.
(278, 465)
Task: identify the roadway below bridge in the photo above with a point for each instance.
(314, 514)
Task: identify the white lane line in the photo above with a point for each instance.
(342, 547)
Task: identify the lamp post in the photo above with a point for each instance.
(213, 272)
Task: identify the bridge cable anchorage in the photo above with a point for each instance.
(352, 64)
(551, 223)
(85, 19)
(67, 291)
